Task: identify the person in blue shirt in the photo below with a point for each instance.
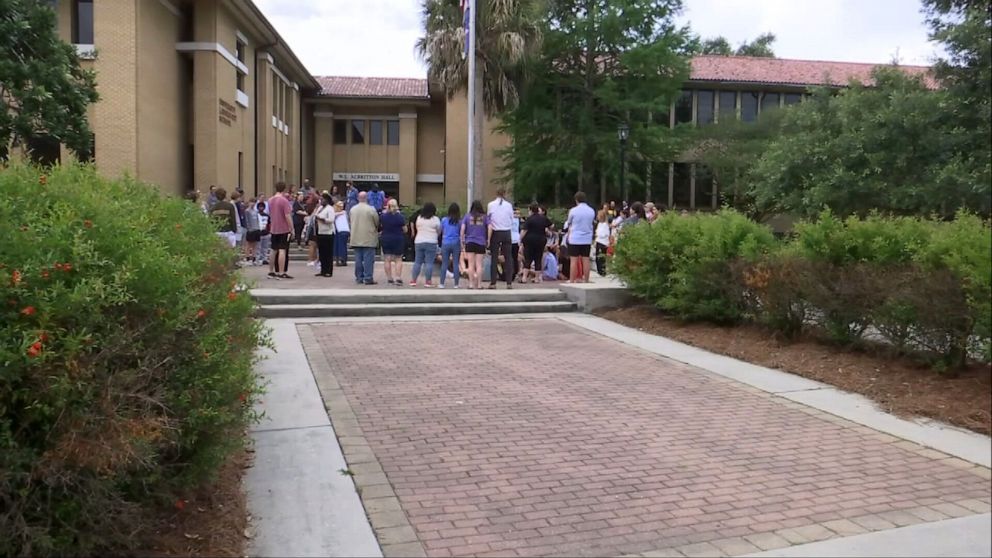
(377, 198)
(581, 224)
(451, 243)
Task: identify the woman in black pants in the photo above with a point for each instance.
(325, 236)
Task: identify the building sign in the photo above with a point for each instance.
(227, 113)
(367, 176)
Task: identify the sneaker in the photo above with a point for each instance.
(273, 275)
(440, 286)
(413, 283)
(310, 264)
(455, 287)
(370, 283)
(285, 276)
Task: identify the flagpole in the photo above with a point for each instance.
(470, 38)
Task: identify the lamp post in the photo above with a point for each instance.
(623, 132)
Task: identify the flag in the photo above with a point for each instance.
(464, 4)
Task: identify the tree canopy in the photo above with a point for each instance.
(44, 93)
(602, 62)
(760, 47)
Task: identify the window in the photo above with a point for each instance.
(82, 22)
(393, 132)
(728, 106)
(769, 101)
(44, 150)
(749, 106)
(240, 49)
(357, 132)
(681, 186)
(683, 108)
(704, 107)
(704, 187)
(793, 98)
(340, 132)
(375, 132)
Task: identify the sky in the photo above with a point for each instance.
(377, 37)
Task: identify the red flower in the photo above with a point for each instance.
(28, 311)
(179, 226)
(35, 349)
(88, 224)
(44, 274)
(58, 267)
(243, 397)
(201, 313)
(42, 180)
(42, 336)
(67, 267)
(180, 505)
(15, 278)
(206, 354)
(232, 296)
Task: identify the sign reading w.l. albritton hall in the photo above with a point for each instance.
(367, 176)
(227, 113)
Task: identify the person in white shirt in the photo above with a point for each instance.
(581, 224)
(500, 213)
(324, 222)
(427, 229)
(342, 232)
(602, 241)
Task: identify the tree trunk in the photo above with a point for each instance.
(481, 189)
(602, 188)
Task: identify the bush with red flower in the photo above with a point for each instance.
(127, 373)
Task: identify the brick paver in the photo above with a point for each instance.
(532, 437)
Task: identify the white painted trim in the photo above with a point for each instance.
(275, 122)
(241, 98)
(282, 76)
(241, 37)
(171, 7)
(215, 47)
(323, 114)
(266, 56)
(431, 178)
(86, 52)
(241, 67)
(296, 86)
(408, 115)
(285, 129)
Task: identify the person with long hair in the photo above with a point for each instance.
(393, 239)
(324, 224)
(474, 237)
(427, 230)
(342, 232)
(602, 241)
(534, 238)
(451, 243)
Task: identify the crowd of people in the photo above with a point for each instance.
(520, 249)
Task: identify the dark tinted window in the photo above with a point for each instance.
(683, 107)
(340, 132)
(728, 105)
(393, 132)
(375, 132)
(769, 101)
(82, 29)
(681, 185)
(704, 187)
(357, 132)
(749, 106)
(704, 107)
(793, 98)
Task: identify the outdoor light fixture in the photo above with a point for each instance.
(623, 132)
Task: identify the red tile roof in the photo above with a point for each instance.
(780, 71)
(337, 86)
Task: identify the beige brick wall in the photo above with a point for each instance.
(115, 116)
(456, 152)
(162, 100)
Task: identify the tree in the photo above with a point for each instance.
(44, 93)
(887, 147)
(508, 32)
(760, 47)
(602, 62)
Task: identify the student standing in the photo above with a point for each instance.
(451, 243)
(602, 241)
(324, 223)
(281, 229)
(474, 237)
(364, 239)
(393, 242)
(534, 238)
(581, 224)
(427, 229)
(500, 212)
(342, 232)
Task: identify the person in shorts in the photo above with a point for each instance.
(281, 229)
(534, 238)
(475, 238)
(581, 224)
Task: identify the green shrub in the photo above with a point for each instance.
(127, 358)
(773, 291)
(682, 263)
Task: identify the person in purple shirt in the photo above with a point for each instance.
(475, 238)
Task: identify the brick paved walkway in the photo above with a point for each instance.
(533, 437)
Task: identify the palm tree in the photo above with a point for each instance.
(508, 34)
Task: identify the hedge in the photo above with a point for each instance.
(922, 286)
(127, 358)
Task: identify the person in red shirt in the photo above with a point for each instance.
(281, 230)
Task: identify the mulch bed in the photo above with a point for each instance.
(898, 385)
(212, 521)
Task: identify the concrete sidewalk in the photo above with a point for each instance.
(300, 501)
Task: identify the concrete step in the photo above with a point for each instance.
(410, 309)
(403, 295)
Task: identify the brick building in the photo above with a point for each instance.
(206, 92)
